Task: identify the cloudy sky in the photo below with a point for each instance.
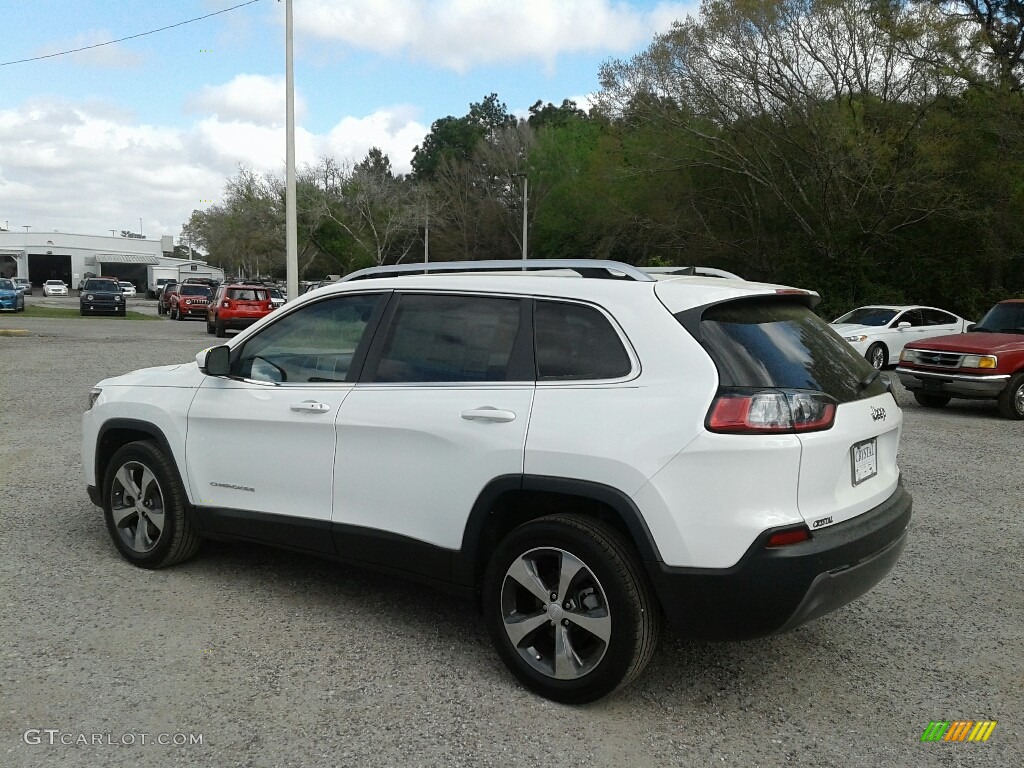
(150, 128)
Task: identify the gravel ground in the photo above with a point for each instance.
(276, 659)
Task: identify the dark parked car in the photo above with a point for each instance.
(163, 298)
(101, 295)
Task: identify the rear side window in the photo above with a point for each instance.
(575, 342)
(450, 339)
(757, 344)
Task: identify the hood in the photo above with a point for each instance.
(972, 343)
(849, 329)
(178, 375)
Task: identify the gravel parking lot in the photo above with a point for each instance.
(277, 659)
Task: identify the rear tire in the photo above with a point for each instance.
(144, 507)
(1011, 399)
(569, 608)
(931, 401)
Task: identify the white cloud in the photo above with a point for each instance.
(392, 129)
(113, 56)
(460, 34)
(252, 98)
(90, 168)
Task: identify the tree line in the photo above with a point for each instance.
(872, 150)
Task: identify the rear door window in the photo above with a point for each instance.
(781, 344)
(442, 338)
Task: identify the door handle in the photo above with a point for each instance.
(487, 413)
(311, 406)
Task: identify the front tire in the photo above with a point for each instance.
(878, 356)
(1011, 399)
(569, 608)
(931, 401)
(209, 326)
(144, 508)
(221, 330)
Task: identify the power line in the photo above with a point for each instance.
(130, 37)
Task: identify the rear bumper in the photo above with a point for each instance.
(952, 384)
(238, 323)
(772, 590)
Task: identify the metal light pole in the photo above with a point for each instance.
(290, 215)
(525, 183)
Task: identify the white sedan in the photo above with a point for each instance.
(880, 332)
(55, 288)
(127, 289)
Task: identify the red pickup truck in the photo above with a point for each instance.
(987, 362)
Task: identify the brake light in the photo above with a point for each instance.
(789, 536)
(771, 412)
(226, 304)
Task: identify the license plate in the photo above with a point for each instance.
(864, 458)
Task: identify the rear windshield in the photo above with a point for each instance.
(195, 290)
(247, 294)
(1003, 318)
(783, 344)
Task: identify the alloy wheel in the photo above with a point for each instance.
(555, 613)
(137, 506)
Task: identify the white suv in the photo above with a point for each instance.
(583, 455)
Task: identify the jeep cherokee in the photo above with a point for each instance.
(584, 456)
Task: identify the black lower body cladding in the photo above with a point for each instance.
(776, 589)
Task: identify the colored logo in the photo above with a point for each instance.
(959, 730)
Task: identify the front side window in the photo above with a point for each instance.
(575, 342)
(315, 344)
(912, 316)
(449, 339)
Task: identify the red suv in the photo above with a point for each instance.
(237, 306)
(188, 300)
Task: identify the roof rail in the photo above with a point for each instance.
(613, 270)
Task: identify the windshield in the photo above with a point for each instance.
(1007, 317)
(195, 290)
(6, 285)
(868, 316)
(54, 282)
(101, 285)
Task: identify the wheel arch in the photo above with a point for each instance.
(117, 433)
(511, 500)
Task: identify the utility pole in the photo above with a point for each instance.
(290, 216)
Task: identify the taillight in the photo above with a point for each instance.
(789, 536)
(226, 304)
(771, 411)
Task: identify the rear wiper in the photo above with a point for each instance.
(868, 380)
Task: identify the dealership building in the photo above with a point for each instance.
(42, 256)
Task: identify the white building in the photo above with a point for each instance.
(42, 256)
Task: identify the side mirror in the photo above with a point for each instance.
(904, 324)
(215, 361)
